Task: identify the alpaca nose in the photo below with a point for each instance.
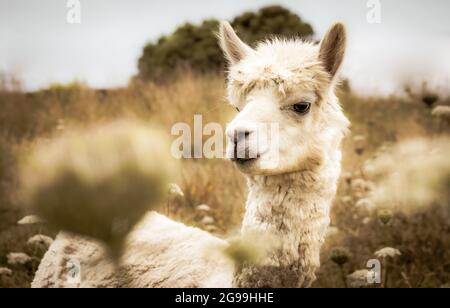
(241, 147)
(239, 134)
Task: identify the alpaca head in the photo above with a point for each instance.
(289, 118)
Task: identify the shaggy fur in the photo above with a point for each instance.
(159, 253)
(295, 208)
(291, 186)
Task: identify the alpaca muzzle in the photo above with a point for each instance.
(242, 146)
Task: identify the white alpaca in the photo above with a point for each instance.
(291, 181)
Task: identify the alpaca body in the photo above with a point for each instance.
(158, 253)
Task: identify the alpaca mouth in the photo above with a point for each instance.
(243, 161)
(243, 158)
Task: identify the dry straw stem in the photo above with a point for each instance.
(98, 182)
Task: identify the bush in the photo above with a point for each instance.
(196, 47)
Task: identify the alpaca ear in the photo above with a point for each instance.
(233, 47)
(332, 48)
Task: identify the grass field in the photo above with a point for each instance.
(423, 238)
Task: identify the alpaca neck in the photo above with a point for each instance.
(295, 209)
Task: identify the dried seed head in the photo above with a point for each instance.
(340, 255)
(385, 216)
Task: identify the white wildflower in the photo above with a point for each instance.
(31, 220)
(386, 147)
(347, 200)
(203, 208)
(358, 185)
(5, 272)
(365, 204)
(176, 190)
(211, 228)
(40, 242)
(368, 169)
(333, 232)
(208, 220)
(18, 258)
(442, 112)
(366, 220)
(387, 252)
(60, 125)
(359, 138)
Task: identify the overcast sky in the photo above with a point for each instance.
(40, 47)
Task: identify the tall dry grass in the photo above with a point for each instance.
(27, 119)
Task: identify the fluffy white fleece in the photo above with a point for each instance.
(158, 253)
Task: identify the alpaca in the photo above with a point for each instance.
(291, 185)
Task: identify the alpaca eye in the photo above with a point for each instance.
(302, 107)
(237, 109)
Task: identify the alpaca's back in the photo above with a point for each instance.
(158, 253)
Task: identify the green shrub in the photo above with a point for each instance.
(196, 48)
